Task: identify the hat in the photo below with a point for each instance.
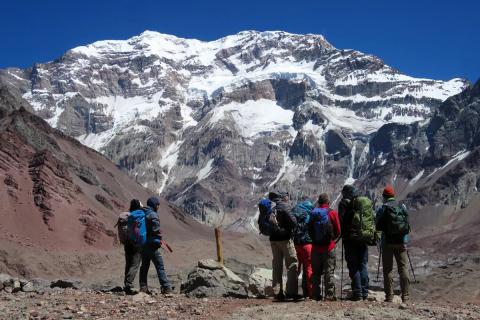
(323, 199)
(388, 192)
(349, 191)
(152, 202)
(276, 195)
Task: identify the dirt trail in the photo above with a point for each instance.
(71, 304)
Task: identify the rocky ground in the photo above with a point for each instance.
(85, 304)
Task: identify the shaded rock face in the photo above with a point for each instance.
(213, 126)
(337, 144)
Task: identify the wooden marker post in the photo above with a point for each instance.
(218, 239)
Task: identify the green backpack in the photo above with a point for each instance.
(396, 219)
(363, 221)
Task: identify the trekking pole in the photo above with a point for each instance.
(411, 267)
(341, 277)
(379, 259)
(167, 246)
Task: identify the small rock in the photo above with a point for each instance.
(5, 279)
(34, 314)
(8, 289)
(67, 316)
(66, 284)
(28, 287)
(16, 286)
(140, 297)
(403, 306)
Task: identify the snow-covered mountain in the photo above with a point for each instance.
(213, 125)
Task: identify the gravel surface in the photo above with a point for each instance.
(78, 304)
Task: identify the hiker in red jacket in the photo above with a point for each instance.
(324, 229)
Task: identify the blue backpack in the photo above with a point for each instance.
(301, 212)
(320, 227)
(137, 227)
(266, 210)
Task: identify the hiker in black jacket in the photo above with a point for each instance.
(281, 240)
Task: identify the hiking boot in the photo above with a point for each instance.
(294, 297)
(167, 292)
(405, 299)
(145, 290)
(355, 298)
(279, 297)
(129, 291)
(388, 299)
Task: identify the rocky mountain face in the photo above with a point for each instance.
(435, 166)
(213, 125)
(60, 197)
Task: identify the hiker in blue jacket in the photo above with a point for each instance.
(150, 251)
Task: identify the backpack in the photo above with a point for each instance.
(362, 227)
(321, 229)
(137, 227)
(266, 208)
(301, 212)
(396, 219)
(122, 227)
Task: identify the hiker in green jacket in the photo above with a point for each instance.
(392, 220)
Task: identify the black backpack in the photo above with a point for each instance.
(396, 219)
(266, 208)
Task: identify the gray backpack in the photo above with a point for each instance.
(122, 228)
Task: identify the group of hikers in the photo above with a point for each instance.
(306, 236)
(139, 232)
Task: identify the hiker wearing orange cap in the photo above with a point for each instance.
(392, 220)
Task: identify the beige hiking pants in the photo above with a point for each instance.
(284, 250)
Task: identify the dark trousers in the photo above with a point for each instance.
(356, 256)
(400, 254)
(323, 263)
(133, 257)
(150, 253)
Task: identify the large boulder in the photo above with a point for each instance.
(210, 279)
(260, 283)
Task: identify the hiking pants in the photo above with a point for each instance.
(304, 256)
(323, 264)
(133, 257)
(284, 250)
(398, 251)
(356, 256)
(150, 253)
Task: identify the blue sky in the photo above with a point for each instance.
(431, 39)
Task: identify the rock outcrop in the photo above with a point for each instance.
(210, 279)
